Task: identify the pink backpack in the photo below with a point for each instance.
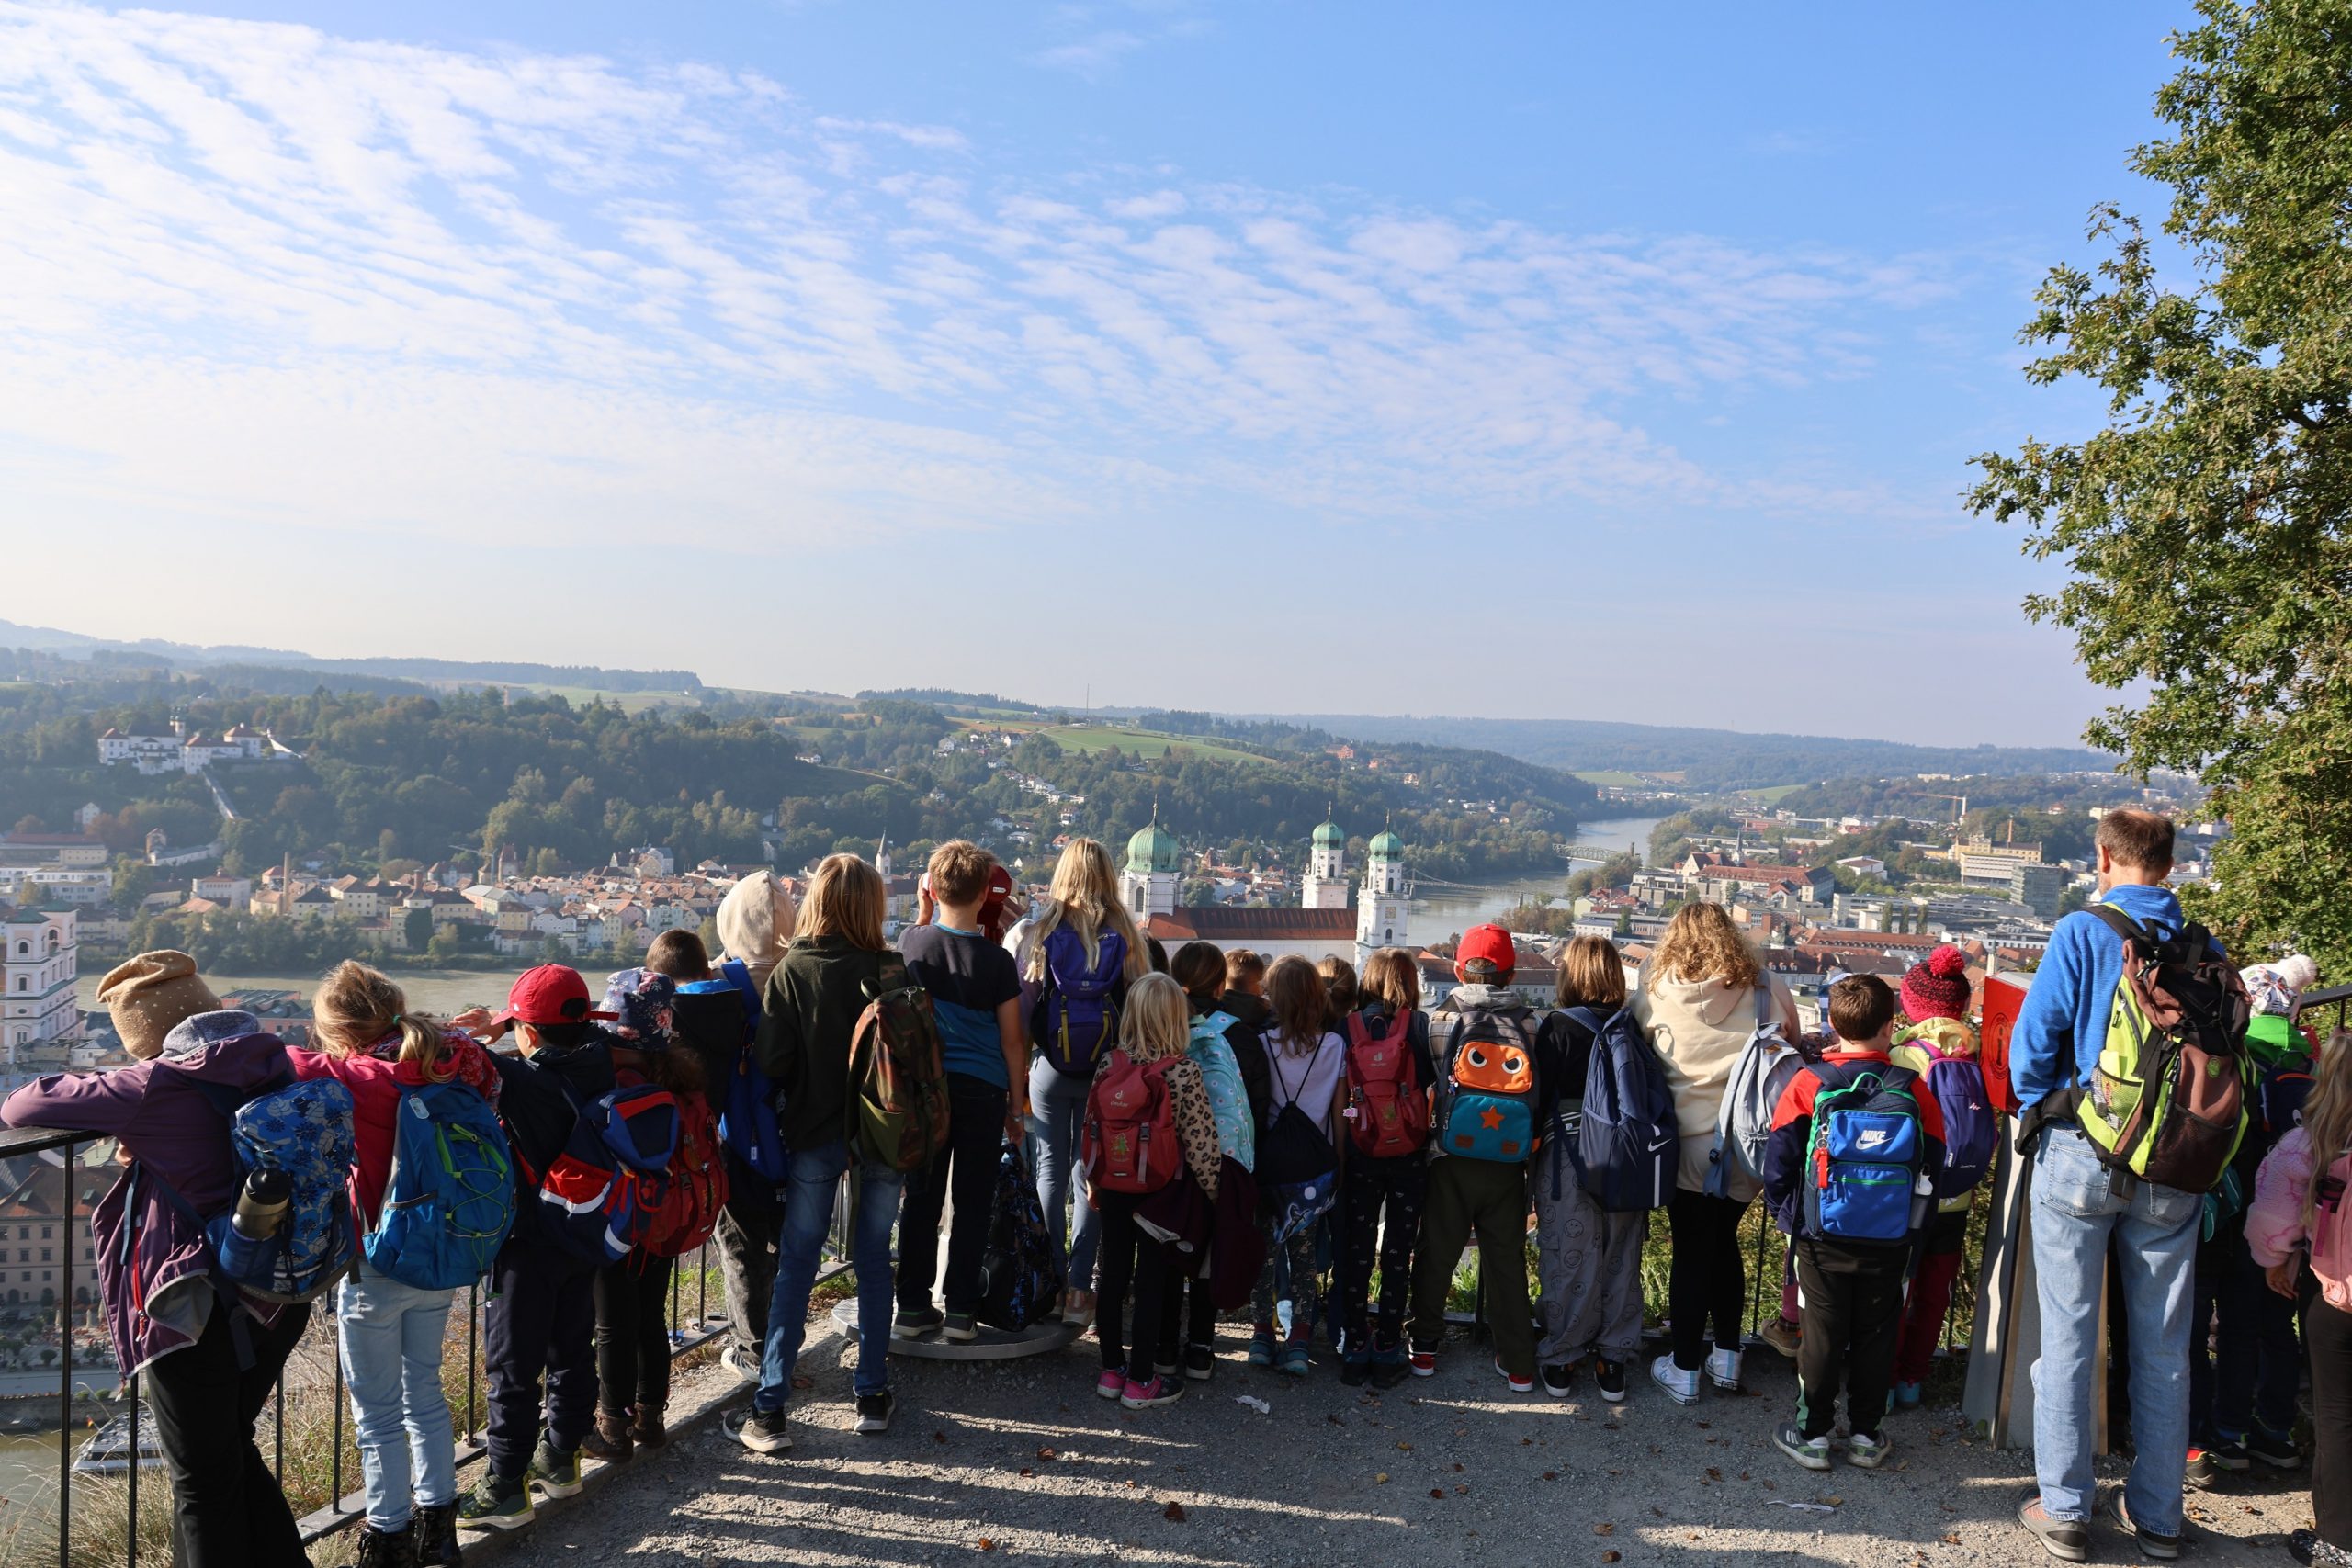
(2332, 1235)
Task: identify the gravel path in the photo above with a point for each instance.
(1020, 1460)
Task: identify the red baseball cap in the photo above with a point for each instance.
(552, 993)
(1490, 944)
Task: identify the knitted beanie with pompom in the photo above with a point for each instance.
(1938, 987)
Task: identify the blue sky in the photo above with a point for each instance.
(1519, 360)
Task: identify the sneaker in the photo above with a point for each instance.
(1609, 1377)
(1390, 1367)
(2279, 1453)
(1722, 1369)
(1782, 1336)
(1518, 1384)
(2158, 1548)
(1111, 1383)
(1680, 1386)
(1355, 1370)
(744, 1364)
(1424, 1360)
(1143, 1395)
(1165, 1366)
(959, 1327)
(1869, 1449)
(1293, 1359)
(556, 1475)
(2069, 1541)
(913, 1323)
(2201, 1471)
(873, 1411)
(1200, 1362)
(762, 1432)
(2305, 1546)
(1907, 1396)
(1558, 1382)
(1810, 1452)
(2228, 1455)
(1262, 1350)
(1078, 1309)
(496, 1503)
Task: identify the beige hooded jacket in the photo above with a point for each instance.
(755, 924)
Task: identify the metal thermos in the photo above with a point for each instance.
(261, 1206)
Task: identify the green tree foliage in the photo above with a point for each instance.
(2206, 523)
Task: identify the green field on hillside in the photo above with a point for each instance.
(1609, 778)
(1774, 794)
(1089, 738)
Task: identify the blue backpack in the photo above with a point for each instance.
(1077, 1016)
(1487, 1093)
(602, 1193)
(747, 1122)
(1629, 1144)
(1019, 1283)
(1865, 1155)
(449, 1200)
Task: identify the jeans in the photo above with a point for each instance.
(807, 1216)
(1056, 1107)
(966, 1168)
(227, 1511)
(2076, 1213)
(541, 1320)
(747, 1231)
(633, 1334)
(389, 1336)
(1706, 1277)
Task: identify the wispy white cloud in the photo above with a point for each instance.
(1102, 36)
(262, 271)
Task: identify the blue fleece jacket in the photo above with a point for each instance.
(2062, 1025)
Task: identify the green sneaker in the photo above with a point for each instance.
(556, 1475)
(496, 1503)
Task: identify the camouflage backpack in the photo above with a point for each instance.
(898, 1082)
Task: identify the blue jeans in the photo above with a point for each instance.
(389, 1337)
(2075, 1213)
(808, 1193)
(1056, 1110)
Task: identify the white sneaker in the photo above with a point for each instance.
(744, 1367)
(1722, 1369)
(1680, 1386)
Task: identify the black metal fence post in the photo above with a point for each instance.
(132, 1551)
(65, 1387)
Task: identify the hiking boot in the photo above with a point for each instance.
(1144, 1395)
(1200, 1362)
(647, 1429)
(959, 1329)
(2305, 1546)
(1682, 1387)
(1609, 1377)
(1559, 1382)
(610, 1441)
(1810, 1452)
(2069, 1541)
(1390, 1367)
(1869, 1449)
(2153, 1546)
(1518, 1384)
(556, 1475)
(1907, 1395)
(1782, 1336)
(435, 1528)
(1722, 1369)
(1111, 1383)
(2279, 1453)
(1424, 1360)
(874, 1412)
(1293, 1359)
(385, 1549)
(913, 1323)
(496, 1503)
(1355, 1370)
(763, 1432)
(2201, 1471)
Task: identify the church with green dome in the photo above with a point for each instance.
(1149, 884)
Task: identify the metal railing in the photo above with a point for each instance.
(689, 1332)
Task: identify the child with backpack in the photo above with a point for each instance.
(755, 922)
(633, 1291)
(1389, 1076)
(1149, 1126)
(976, 996)
(812, 1016)
(1077, 958)
(2299, 1231)
(1298, 1157)
(1588, 1252)
(208, 1358)
(1849, 1174)
(1233, 1075)
(389, 1329)
(1486, 1126)
(1938, 1044)
(540, 1321)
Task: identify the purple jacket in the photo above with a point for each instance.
(160, 1301)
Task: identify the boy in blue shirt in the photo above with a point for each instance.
(975, 989)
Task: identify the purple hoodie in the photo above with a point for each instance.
(160, 1302)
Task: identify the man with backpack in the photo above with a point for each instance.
(2090, 1073)
(541, 1320)
(1486, 1126)
(1850, 1174)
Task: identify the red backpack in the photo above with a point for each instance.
(1388, 1113)
(684, 1204)
(1130, 1143)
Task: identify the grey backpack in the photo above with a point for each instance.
(1744, 1124)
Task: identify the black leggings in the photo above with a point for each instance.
(1708, 1278)
(2327, 1334)
(1129, 1259)
(633, 1334)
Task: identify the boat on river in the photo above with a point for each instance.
(108, 1450)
